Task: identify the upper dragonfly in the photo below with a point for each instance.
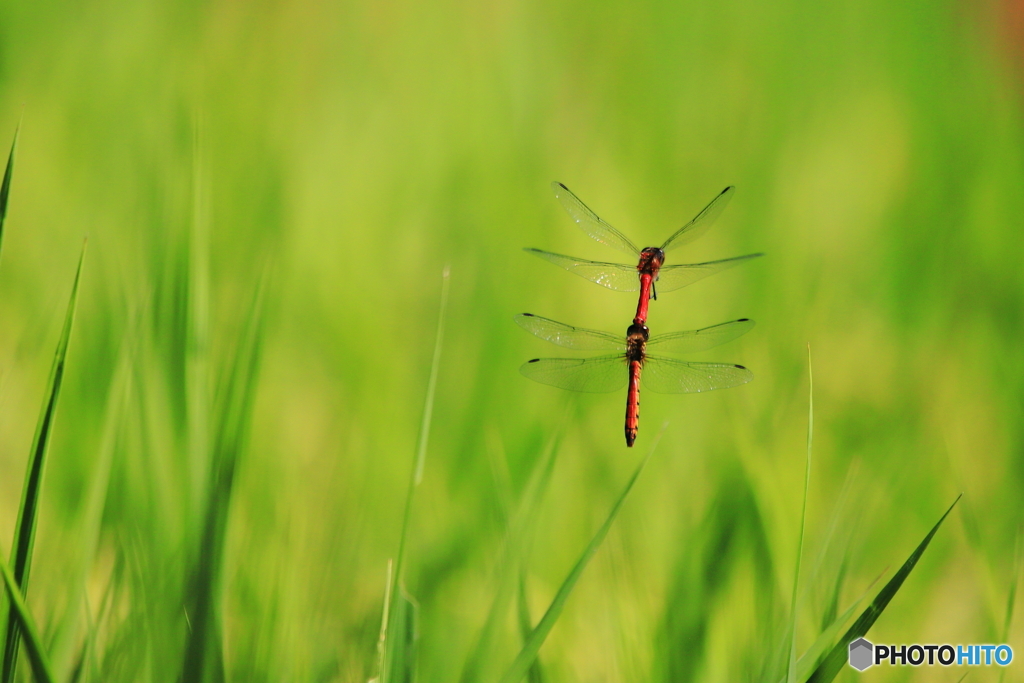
(610, 373)
(650, 267)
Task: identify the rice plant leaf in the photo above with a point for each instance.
(388, 662)
(832, 606)
(837, 656)
(203, 659)
(534, 675)
(1011, 598)
(5, 187)
(809, 659)
(24, 533)
(792, 660)
(516, 547)
(528, 655)
(33, 645)
(382, 639)
(404, 637)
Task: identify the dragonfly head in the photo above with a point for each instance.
(637, 333)
(651, 259)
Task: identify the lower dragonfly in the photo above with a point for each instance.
(609, 373)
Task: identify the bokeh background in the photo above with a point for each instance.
(344, 153)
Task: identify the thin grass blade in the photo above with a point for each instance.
(1011, 598)
(405, 637)
(5, 187)
(203, 658)
(33, 645)
(791, 667)
(414, 480)
(24, 533)
(383, 637)
(810, 658)
(534, 675)
(516, 547)
(69, 651)
(832, 606)
(837, 656)
(528, 655)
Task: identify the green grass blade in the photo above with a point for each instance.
(401, 632)
(791, 667)
(24, 533)
(522, 663)
(68, 649)
(382, 639)
(516, 547)
(1011, 598)
(837, 656)
(435, 364)
(534, 675)
(832, 606)
(405, 634)
(203, 659)
(809, 659)
(33, 645)
(5, 187)
(414, 480)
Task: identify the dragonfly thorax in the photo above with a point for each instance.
(651, 259)
(636, 341)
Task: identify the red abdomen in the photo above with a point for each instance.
(633, 402)
(646, 280)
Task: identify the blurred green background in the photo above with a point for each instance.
(350, 151)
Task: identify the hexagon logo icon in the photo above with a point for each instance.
(861, 652)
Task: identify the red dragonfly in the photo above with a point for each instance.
(610, 373)
(650, 267)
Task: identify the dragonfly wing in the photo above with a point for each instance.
(671, 278)
(591, 223)
(703, 339)
(670, 376)
(701, 222)
(570, 337)
(617, 276)
(592, 375)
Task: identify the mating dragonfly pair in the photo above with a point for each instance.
(662, 375)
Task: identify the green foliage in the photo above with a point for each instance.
(534, 674)
(792, 658)
(5, 187)
(23, 618)
(203, 654)
(836, 658)
(525, 660)
(24, 534)
(396, 649)
(200, 518)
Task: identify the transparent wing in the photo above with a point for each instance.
(593, 375)
(701, 222)
(617, 276)
(670, 376)
(700, 340)
(570, 337)
(671, 278)
(591, 223)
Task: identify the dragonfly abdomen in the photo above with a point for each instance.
(636, 344)
(633, 402)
